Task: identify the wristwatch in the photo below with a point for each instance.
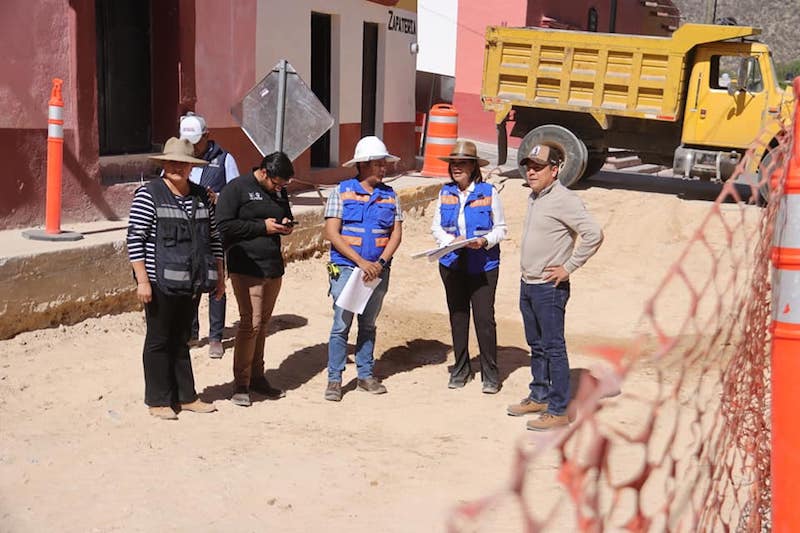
(382, 262)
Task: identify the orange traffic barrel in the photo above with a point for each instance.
(419, 126)
(440, 139)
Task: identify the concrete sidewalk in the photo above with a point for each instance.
(51, 283)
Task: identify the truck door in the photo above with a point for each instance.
(726, 103)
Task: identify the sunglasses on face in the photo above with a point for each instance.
(460, 162)
(539, 167)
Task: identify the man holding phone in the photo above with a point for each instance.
(252, 213)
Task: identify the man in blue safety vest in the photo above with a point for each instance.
(363, 222)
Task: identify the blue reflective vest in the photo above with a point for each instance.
(367, 220)
(478, 221)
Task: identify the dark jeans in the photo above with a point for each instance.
(543, 307)
(168, 377)
(476, 290)
(216, 318)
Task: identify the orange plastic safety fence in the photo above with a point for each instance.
(685, 445)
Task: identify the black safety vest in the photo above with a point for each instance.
(184, 262)
(214, 172)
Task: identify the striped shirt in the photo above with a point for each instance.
(142, 229)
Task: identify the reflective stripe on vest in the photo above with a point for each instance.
(183, 259)
(478, 221)
(367, 220)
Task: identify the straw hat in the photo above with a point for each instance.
(180, 150)
(371, 148)
(465, 150)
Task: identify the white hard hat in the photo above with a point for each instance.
(371, 148)
(192, 127)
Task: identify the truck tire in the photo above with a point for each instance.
(502, 144)
(575, 152)
(763, 190)
(595, 163)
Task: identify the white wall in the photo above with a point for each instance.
(437, 36)
(284, 31)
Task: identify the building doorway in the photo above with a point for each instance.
(123, 76)
(321, 81)
(369, 78)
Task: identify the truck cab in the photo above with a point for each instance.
(733, 97)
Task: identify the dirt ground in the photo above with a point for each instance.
(79, 452)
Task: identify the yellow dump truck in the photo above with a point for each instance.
(695, 100)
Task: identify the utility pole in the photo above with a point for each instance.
(711, 11)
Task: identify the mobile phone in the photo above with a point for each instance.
(290, 223)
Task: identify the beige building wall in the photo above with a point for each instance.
(284, 31)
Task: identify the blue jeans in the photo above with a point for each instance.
(543, 307)
(342, 320)
(216, 318)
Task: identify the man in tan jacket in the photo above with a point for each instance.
(556, 217)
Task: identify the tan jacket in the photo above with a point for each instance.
(554, 220)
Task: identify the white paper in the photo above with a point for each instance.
(356, 292)
(434, 254)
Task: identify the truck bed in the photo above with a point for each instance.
(599, 73)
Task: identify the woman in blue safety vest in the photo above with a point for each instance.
(469, 209)
(363, 222)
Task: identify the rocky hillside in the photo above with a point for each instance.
(778, 19)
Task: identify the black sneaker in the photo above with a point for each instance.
(241, 397)
(459, 383)
(263, 387)
(333, 393)
(491, 388)
(371, 385)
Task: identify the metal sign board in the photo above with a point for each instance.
(306, 119)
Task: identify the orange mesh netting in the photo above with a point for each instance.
(685, 445)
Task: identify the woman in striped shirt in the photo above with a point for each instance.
(176, 254)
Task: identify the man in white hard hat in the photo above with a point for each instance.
(363, 222)
(220, 170)
(556, 217)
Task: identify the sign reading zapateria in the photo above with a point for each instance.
(402, 24)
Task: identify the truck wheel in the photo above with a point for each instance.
(595, 163)
(575, 152)
(763, 190)
(502, 144)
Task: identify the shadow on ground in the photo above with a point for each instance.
(685, 189)
(413, 354)
(276, 323)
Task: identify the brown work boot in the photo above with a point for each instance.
(198, 406)
(334, 391)
(526, 407)
(371, 385)
(548, 421)
(164, 413)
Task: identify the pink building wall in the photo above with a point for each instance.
(225, 50)
(473, 17)
(43, 40)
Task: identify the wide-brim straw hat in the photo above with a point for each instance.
(180, 150)
(465, 150)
